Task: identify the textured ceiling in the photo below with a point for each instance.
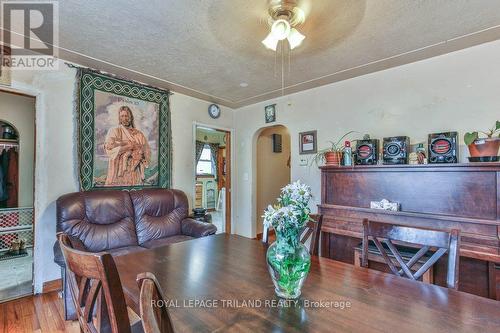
(206, 48)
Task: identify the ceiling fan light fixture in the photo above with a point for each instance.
(280, 29)
(295, 38)
(284, 16)
(270, 42)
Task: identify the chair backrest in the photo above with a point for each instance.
(441, 241)
(93, 278)
(312, 230)
(153, 306)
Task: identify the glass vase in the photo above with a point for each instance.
(288, 261)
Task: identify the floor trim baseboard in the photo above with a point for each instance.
(270, 233)
(50, 286)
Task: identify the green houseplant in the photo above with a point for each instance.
(333, 154)
(288, 260)
(484, 147)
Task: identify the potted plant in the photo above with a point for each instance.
(481, 148)
(333, 154)
(288, 260)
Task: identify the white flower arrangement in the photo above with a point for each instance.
(291, 213)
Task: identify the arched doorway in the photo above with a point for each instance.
(273, 168)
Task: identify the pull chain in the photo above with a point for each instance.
(289, 61)
(282, 69)
(275, 65)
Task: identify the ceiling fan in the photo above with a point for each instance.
(284, 17)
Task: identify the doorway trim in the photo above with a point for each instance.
(229, 227)
(31, 93)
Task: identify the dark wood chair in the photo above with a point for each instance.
(442, 241)
(96, 290)
(312, 230)
(152, 303)
(406, 252)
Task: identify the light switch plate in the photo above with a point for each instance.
(303, 161)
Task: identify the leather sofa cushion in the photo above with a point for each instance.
(59, 258)
(197, 229)
(158, 213)
(102, 220)
(152, 244)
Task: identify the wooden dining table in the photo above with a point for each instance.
(221, 283)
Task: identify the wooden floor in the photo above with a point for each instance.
(41, 313)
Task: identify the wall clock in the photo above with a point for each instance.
(214, 111)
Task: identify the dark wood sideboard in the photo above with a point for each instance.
(446, 196)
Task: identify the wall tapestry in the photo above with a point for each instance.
(124, 133)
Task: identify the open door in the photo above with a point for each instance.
(227, 168)
(213, 176)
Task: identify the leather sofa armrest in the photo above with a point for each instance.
(58, 256)
(197, 229)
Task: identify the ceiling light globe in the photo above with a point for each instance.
(280, 29)
(295, 38)
(270, 42)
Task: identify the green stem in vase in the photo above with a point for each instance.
(289, 264)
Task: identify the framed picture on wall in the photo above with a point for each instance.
(124, 134)
(270, 113)
(308, 142)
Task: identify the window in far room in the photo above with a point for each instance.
(205, 166)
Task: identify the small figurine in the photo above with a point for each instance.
(422, 158)
(413, 158)
(14, 247)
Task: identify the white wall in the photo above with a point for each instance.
(458, 91)
(20, 112)
(185, 111)
(56, 159)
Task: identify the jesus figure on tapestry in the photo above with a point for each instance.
(128, 151)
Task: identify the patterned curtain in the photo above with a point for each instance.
(199, 149)
(214, 148)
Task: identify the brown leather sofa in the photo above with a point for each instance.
(121, 222)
